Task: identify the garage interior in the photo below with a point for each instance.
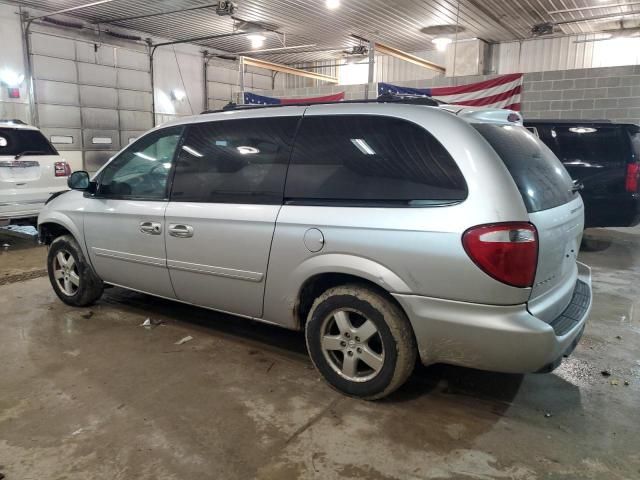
(96, 393)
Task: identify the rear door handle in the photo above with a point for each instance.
(181, 231)
(151, 228)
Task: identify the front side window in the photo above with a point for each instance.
(234, 161)
(360, 159)
(142, 170)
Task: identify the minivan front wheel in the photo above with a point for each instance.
(71, 277)
(360, 341)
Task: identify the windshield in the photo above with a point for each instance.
(17, 141)
(541, 179)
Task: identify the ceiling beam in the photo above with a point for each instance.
(277, 67)
(407, 57)
(156, 14)
(73, 9)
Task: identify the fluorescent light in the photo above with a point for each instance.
(245, 150)
(332, 4)
(583, 129)
(257, 41)
(193, 152)
(441, 43)
(10, 78)
(363, 146)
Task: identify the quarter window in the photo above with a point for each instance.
(358, 159)
(142, 170)
(234, 161)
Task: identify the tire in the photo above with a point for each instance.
(71, 276)
(351, 359)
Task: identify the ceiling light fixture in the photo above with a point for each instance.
(257, 41)
(441, 43)
(332, 4)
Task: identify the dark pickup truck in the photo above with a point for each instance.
(605, 157)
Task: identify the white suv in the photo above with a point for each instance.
(30, 170)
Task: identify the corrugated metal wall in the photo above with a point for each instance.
(91, 97)
(565, 53)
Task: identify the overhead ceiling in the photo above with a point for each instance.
(304, 22)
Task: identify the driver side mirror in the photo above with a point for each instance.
(79, 180)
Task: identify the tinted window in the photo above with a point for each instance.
(541, 179)
(588, 145)
(234, 161)
(142, 170)
(14, 141)
(635, 143)
(359, 159)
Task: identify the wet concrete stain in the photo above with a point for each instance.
(98, 396)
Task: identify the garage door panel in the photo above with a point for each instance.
(132, 60)
(223, 75)
(132, 100)
(99, 118)
(129, 136)
(42, 44)
(104, 55)
(47, 68)
(134, 80)
(98, 96)
(95, 159)
(96, 75)
(130, 120)
(60, 137)
(58, 116)
(220, 91)
(261, 82)
(59, 93)
(101, 139)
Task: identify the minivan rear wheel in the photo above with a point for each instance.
(71, 276)
(360, 341)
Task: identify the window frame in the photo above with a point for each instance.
(170, 173)
(381, 203)
(235, 198)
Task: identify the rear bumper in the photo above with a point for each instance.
(497, 338)
(621, 210)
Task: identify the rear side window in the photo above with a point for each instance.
(235, 161)
(587, 145)
(541, 179)
(358, 159)
(634, 132)
(16, 141)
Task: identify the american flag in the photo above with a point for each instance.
(499, 92)
(253, 99)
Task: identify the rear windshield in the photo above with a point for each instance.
(542, 180)
(16, 141)
(587, 145)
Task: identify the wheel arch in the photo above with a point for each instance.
(323, 273)
(56, 224)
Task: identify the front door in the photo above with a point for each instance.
(226, 196)
(124, 222)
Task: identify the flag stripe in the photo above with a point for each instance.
(461, 97)
(491, 99)
(474, 87)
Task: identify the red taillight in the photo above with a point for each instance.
(62, 169)
(631, 181)
(507, 252)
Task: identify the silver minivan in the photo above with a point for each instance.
(388, 232)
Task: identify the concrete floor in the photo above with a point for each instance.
(90, 394)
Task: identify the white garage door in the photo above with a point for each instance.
(91, 98)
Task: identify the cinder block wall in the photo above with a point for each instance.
(592, 93)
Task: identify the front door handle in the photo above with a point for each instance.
(151, 228)
(180, 230)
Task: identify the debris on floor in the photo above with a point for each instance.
(149, 323)
(87, 315)
(605, 373)
(626, 383)
(186, 339)
(548, 415)
(614, 382)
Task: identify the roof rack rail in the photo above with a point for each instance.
(12, 120)
(384, 98)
